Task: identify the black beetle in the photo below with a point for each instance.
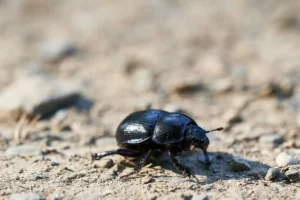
(148, 133)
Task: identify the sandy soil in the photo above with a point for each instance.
(225, 63)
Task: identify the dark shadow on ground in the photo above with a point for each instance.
(220, 168)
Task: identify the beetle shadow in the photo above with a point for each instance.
(220, 168)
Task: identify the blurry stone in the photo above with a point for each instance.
(292, 175)
(26, 196)
(222, 85)
(186, 87)
(200, 197)
(272, 174)
(271, 139)
(283, 159)
(35, 176)
(129, 64)
(297, 143)
(23, 150)
(172, 108)
(54, 163)
(283, 89)
(52, 95)
(56, 50)
(144, 80)
(148, 179)
(104, 163)
(239, 164)
(232, 116)
(247, 133)
(286, 20)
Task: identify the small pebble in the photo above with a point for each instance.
(200, 197)
(271, 139)
(26, 196)
(183, 88)
(104, 163)
(56, 50)
(292, 175)
(148, 179)
(283, 159)
(232, 116)
(272, 174)
(23, 150)
(240, 164)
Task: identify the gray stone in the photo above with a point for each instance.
(200, 197)
(271, 139)
(283, 159)
(39, 95)
(148, 179)
(272, 174)
(55, 50)
(23, 150)
(26, 196)
(239, 164)
(292, 175)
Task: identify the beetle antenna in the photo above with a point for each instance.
(216, 129)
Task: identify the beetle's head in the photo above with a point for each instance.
(197, 139)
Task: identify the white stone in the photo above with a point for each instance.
(283, 159)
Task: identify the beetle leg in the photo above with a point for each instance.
(123, 152)
(141, 163)
(183, 169)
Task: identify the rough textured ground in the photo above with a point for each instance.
(225, 63)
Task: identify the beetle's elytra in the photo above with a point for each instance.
(149, 133)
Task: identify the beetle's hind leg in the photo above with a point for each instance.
(140, 164)
(122, 152)
(183, 169)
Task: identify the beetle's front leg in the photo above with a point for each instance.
(140, 164)
(183, 169)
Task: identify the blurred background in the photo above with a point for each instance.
(72, 70)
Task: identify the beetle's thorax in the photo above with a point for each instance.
(196, 137)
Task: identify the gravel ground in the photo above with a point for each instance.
(72, 70)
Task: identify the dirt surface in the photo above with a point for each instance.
(234, 64)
